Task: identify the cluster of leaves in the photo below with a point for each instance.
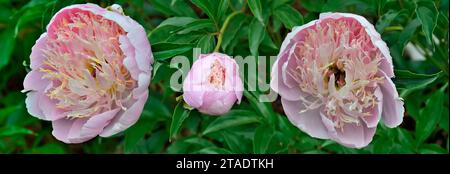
(235, 27)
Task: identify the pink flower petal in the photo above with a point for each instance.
(308, 121)
(127, 118)
(393, 110)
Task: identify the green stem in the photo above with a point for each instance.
(222, 30)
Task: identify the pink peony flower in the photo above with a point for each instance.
(213, 84)
(89, 73)
(334, 78)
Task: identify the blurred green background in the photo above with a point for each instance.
(166, 126)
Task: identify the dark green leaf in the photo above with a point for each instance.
(409, 80)
(213, 150)
(51, 148)
(173, 8)
(14, 130)
(237, 143)
(289, 16)
(177, 21)
(230, 32)
(179, 115)
(256, 36)
(137, 132)
(261, 140)
(432, 149)
(427, 15)
(7, 46)
(162, 51)
(206, 43)
(386, 20)
(429, 117)
(231, 119)
(256, 8)
(197, 25)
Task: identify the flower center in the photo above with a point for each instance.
(339, 75)
(217, 76)
(83, 60)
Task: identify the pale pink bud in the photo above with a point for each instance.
(334, 78)
(90, 73)
(213, 84)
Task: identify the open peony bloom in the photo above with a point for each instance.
(213, 84)
(334, 78)
(89, 73)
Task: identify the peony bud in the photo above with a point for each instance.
(213, 84)
(89, 73)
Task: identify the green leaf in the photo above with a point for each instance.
(409, 80)
(427, 14)
(14, 130)
(179, 115)
(156, 142)
(405, 138)
(432, 149)
(256, 36)
(231, 31)
(429, 117)
(237, 143)
(231, 119)
(261, 140)
(162, 51)
(444, 120)
(256, 8)
(214, 9)
(263, 109)
(201, 142)
(313, 5)
(7, 44)
(51, 148)
(177, 21)
(197, 25)
(289, 16)
(213, 150)
(278, 3)
(406, 35)
(173, 8)
(386, 20)
(137, 132)
(206, 43)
